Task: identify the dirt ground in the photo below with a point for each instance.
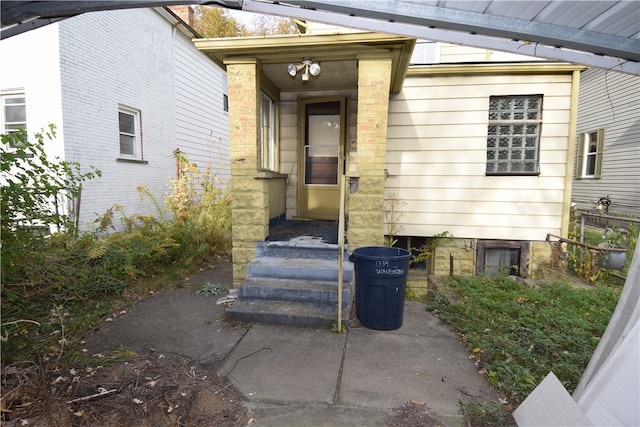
(151, 391)
(127, 389)
(156, 390)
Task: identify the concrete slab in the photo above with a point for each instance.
(179, 321)
(420, 361)
(306, 376)
(271, 415)
(286, 364)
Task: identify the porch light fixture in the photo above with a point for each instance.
(307, 65)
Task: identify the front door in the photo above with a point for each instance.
(322, 148)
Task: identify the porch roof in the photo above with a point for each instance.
(336, 53)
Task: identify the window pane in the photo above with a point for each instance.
(501, 261)
(267, 134)
(15, 113)
(127, 123)
(126, 145)
(14, 100)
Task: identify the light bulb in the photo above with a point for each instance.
(314, 69)
(292, 70)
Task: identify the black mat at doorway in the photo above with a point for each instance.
(290, 229)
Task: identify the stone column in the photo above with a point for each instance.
(366, 216)
(250, 202)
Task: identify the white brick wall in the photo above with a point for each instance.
(85, 67)
(108, 59)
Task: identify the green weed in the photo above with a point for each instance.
(56, 287)
(519, 333)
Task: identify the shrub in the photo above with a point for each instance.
(55, 287)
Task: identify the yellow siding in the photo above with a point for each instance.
(436, 158)
(455, 53)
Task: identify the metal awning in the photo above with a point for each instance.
(604, 33)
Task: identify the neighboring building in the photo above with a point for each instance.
(472, 142)
(125, 89)
(608, 142)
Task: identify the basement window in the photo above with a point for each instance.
(502, 258)
(412, 243)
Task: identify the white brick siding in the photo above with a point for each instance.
(77, 72)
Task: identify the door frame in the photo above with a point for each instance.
(302, 188)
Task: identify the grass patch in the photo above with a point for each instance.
(518, 333)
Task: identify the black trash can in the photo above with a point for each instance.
(381, 279)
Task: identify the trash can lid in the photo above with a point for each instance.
(378, 252)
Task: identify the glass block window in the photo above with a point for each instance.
(513, 137)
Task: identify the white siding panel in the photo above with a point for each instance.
(441, 193)
(202, 125)
(436, 158)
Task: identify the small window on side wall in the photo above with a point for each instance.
(14, 113)
(589, 154)
(268, 138)
(130, 135)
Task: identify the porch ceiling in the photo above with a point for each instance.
(336, 53)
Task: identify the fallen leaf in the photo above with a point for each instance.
(417, 402)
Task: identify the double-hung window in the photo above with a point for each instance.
(513, 137)
(14, 112)
(589, 154)
(268, 138)
(130, 135)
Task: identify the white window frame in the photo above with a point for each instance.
(268, 154)
(13, 94)
(513, 135)
(584, 154)
(136, 135)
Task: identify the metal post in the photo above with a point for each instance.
(340, 246)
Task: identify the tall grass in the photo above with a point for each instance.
(56, 287)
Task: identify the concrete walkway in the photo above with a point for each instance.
(305, 376)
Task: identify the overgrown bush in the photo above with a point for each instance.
(56, 286)
(519, 333)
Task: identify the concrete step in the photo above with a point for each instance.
(293, 249)
(285, 313)
(305, 291)
(299, 269)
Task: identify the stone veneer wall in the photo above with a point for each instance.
(250, 205)
(365, 205)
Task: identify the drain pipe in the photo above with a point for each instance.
(340, 250)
